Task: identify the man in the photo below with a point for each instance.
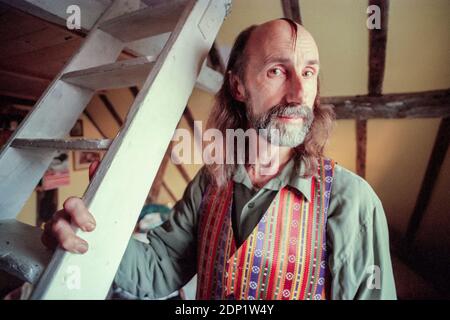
(309, 230)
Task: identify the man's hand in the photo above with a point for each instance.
(58, 230)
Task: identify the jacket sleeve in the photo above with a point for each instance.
(169, 260)
(359, 261)
(377, 279)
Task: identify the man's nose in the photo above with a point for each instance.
(295, 91)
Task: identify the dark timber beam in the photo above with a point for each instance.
(91, 119)
(158, 181)
(429, 181)
(216, 60)
(8, 100)
(361, 145)
(291, 10)
(187, 114)
(377, 49)
(171, 194)
(183, 172)
(108, 104)
(427, 104)
(377, 57)
(134, 91)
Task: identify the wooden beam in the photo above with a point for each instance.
(108, 104)
(377, 49)
(377, 55)
(134, 91)
(429, 181)
(169, 191)
(12, 84)
(180, 168)
(291, 10)
(361, 145)
(428, 104)
(216, 60)
(187, 114)
(88, 115)
(158, 181)
(7, 100)
(183, 172)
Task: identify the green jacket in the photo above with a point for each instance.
(357, 235)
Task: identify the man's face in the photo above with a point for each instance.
(280, 82)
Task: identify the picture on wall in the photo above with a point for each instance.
(57, 174)
(82, 159)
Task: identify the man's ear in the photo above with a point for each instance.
(237, 87)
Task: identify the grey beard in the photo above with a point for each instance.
(279, 133)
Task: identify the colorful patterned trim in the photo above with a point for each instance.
(283, 258)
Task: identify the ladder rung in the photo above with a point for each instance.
(147, 22)
(121, 74)
(21, 252)
(61, 144)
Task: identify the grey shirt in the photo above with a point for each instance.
(357, 235)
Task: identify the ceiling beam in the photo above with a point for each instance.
(8, 100)
(134, 91)
(12, 84)
(427, 104)
(429, 181)
(91, 119)
(187, 114)
(169, 191)
(291, 10)
(159, 179)
(183, 172)
(216, 59)
(108, 104)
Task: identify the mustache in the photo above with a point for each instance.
(289, 110)
(286, 110)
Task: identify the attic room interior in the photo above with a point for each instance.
(93, 91)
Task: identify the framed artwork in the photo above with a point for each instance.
(82, 159)
(77, 130)
(57, 174)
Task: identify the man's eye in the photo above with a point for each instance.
(308, 73)
(275, 72)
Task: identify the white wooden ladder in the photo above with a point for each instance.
(119, 188)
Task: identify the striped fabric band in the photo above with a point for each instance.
(284, 257)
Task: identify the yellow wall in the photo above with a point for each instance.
(397, 155)
(397, 150)
(418, 45)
